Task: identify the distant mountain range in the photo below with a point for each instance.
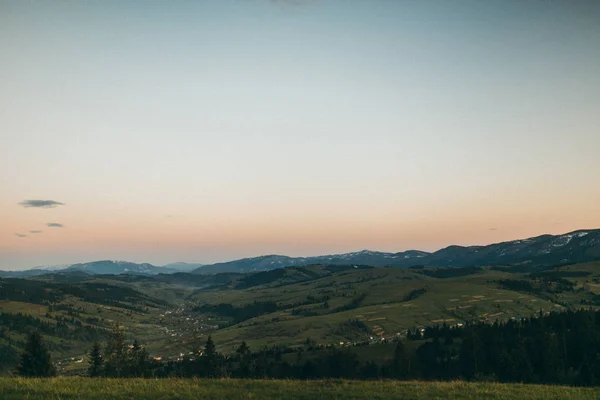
(545, 250)
(268, 262)
(578, 246)
(183, 266)
(94, 268)
(119, 267)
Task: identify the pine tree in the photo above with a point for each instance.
(116, 355)
(261, 365)
(209, 348)
(137, 360)
(96, 361)
(35, 359)
(243, 349)
(469, 353)
(400, 365)
(243, 353)
(210, 358)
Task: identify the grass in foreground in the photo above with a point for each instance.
(105, 389)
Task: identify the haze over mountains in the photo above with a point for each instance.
(540, 251)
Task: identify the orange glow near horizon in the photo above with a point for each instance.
(243, 232)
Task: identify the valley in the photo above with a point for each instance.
(293, 307)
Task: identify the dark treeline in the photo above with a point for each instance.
(63, 327)
(560, 347)
(50, 293)
(257, 308)
(354, 303)
(445, 273)
(260, 278)
(414, 294)
(549, 285)
(557, 348)
(239, 314)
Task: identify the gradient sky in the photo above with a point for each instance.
(204, 131)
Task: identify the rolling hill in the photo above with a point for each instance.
(326, 304)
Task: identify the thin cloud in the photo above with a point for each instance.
(40, 203)
(54, 225)
(493, 229)
(35, 231)
(20, 235)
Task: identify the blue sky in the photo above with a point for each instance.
(204, 131)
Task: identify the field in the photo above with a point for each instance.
(171, 389)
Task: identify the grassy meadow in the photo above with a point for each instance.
(70, 388)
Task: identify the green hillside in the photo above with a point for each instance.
(294, 307)
(316, 302)
(71, 312)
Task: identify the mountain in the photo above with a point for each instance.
(545, 250)
(33, 271)
(183, 266)
(104, 267)
(273, 261)
(119, 267)
(24, 274)
(261, 263)
(368, 257)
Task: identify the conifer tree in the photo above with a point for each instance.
(400, 365)
(35, 359)
(116, 354)
(96, 361)
(243, 353)
(138, 360)
(210, 358)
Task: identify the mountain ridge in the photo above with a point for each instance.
(582, 245)
(578, 246)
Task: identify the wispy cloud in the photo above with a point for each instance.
(20, 235)
(40, 203)
(54, 225)
(35, 231)
(493, 229)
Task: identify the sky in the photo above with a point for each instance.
(204, 131)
